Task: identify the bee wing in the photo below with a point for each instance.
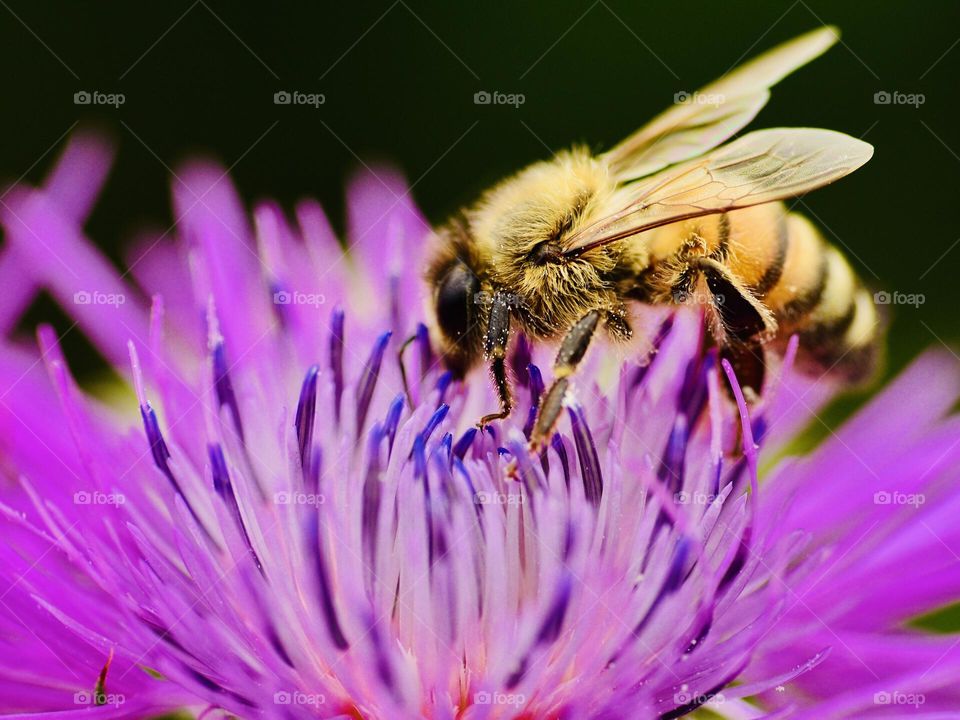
(716, 112)
(760, 167)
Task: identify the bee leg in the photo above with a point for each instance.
(747, 360)
(741, 324)
(495, 348)
(403, 369)
(572, 350)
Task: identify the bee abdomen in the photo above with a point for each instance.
(808, 286)
(819, 297)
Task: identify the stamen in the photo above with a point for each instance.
(371, 498)
(443, 382)
(426, 352)
(438, 415)
(160, 453)
(100, 689)
(392, 420)
(315, 542)
(336, 359)
(384, 670)
(464, 443)
(587, 455)
(671, 469)
(224, 488)
(549, 629)
(561, 449)
(306, 409)
(368, 381)
(705, 622)
(520, 359)
(536, 386)
(224, 387)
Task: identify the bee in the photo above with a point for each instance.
(667, 217)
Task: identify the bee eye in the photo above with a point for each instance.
(455, 300)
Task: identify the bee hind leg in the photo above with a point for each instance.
(748, 363)
(572, 350)
(741, 325)
(495, 348)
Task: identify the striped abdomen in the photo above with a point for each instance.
(785, 263)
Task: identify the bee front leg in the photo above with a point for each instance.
(495, 348)
(572, 350)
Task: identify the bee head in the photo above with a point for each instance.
(457, 300)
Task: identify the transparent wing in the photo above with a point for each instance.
(700, 122)
(760, 167)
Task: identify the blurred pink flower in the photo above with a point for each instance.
(278, 534)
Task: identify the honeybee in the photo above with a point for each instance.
(561, 247)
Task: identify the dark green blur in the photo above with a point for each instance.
(399, 81)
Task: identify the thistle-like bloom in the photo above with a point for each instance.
(263, 525)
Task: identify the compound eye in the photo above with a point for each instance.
(455, 301)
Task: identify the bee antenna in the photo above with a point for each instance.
(403, 369)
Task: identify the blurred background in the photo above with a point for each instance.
(398, 82)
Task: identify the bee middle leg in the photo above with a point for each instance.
(742, 323)
(495, 348)
(572, 350)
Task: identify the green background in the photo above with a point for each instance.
(399, 80)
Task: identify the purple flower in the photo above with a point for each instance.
(254, 520)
